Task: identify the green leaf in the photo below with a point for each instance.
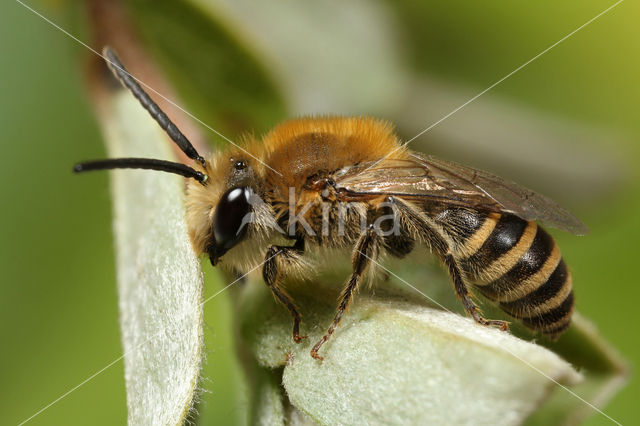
(225, 84)
(159, 278)
(605, 372)
(327, 57)
(268, 405)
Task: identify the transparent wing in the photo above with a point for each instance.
(423, 176)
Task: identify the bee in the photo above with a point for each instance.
(335, 183)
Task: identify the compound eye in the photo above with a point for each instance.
(231, 217)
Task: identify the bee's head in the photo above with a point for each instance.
(221, 192)
(220, 213)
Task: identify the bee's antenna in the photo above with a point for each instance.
(154, 110)
(141, 163)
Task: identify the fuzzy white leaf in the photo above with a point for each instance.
(395, 362)
(159, 278)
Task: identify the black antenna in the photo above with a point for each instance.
(141, 163)
(154, 110)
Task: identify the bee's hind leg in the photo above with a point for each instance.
(427, 233)
(463, 293)
(364, 253)
(272, 275)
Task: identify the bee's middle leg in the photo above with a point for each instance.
(364, 253)
(271, 274)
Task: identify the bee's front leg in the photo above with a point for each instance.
(365, 251)
(271, 274)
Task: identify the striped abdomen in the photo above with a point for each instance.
(515, 263)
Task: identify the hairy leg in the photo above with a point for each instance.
(428, 233)
(364, 252)
(463, 294)
(272, 277)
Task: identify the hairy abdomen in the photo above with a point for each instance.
(514, 263)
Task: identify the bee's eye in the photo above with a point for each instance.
(231, 217)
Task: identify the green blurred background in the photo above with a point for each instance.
(58, 302)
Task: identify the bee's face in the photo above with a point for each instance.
(219, 210)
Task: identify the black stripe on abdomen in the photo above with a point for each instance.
(542, 295)
(530, 263)
(503, 238)
(554, 321)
